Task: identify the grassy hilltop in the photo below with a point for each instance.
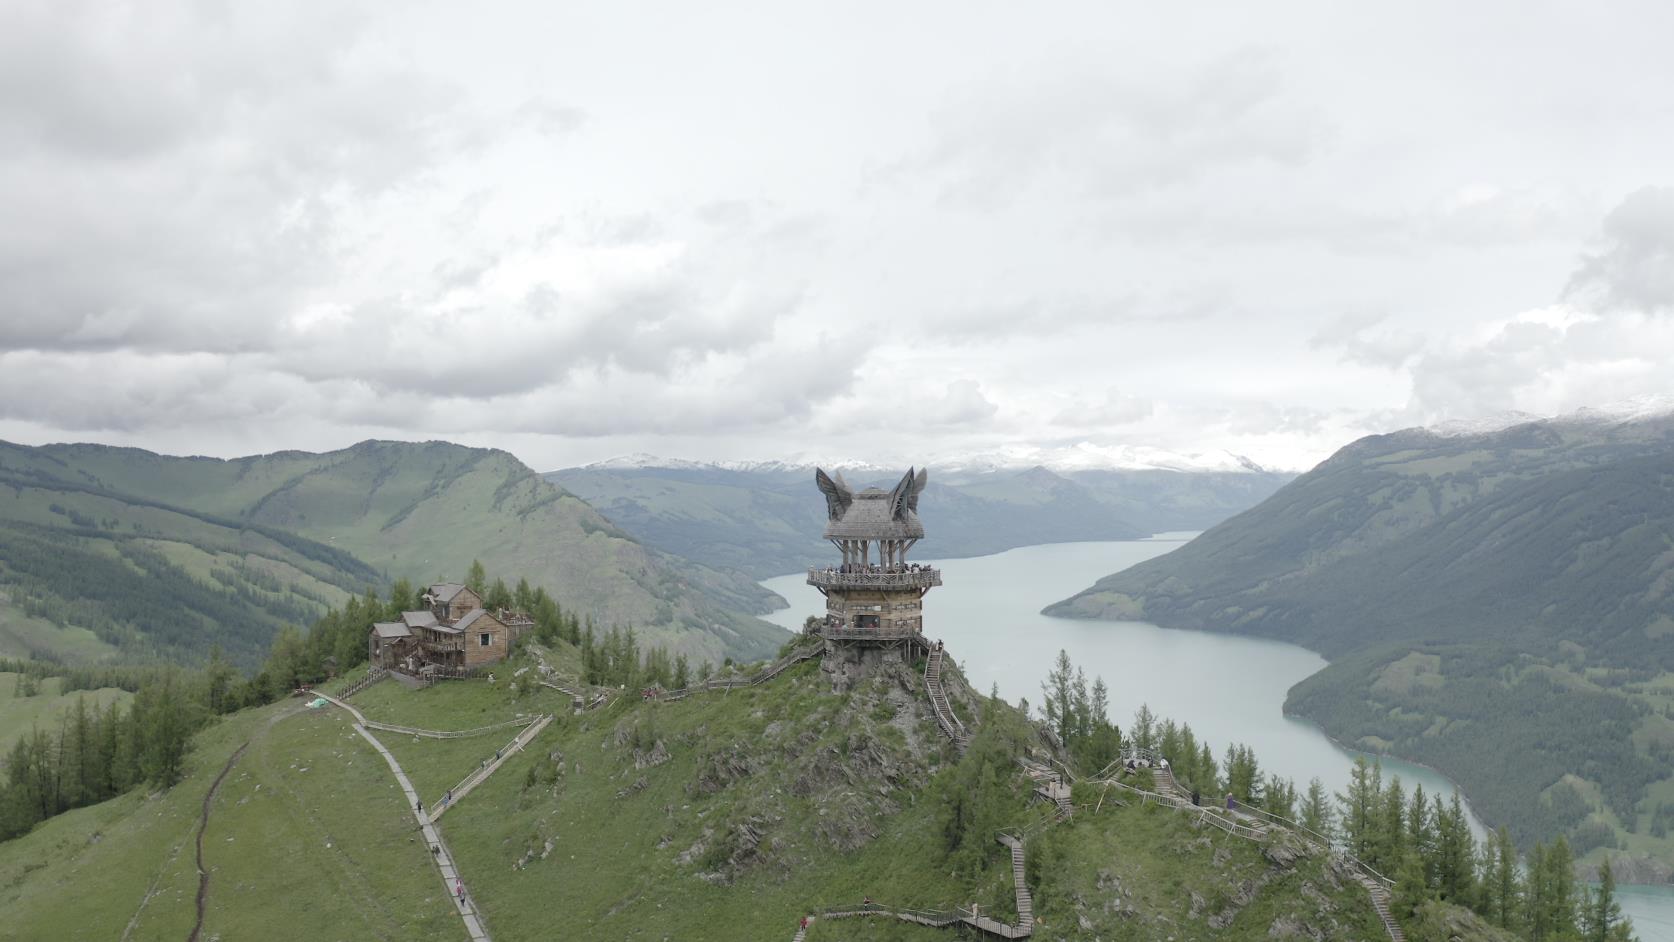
(724, 816)
(251, 543)
(1495, 605)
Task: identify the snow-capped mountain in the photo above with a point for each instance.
(1635, 409)
(1083, 456)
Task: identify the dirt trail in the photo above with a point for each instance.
(203, 825)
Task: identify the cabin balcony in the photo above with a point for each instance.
(853, 633)
(875, 578)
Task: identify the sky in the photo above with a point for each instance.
(868, 230)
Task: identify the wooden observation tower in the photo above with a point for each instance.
(874, 597)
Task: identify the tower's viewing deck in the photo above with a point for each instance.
(874, 577)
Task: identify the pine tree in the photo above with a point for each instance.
(1411, 890)
(1279, 797)
(1391, 827)
(1421, 837)
(497, 596)
(476, 579)
(1209, 778)
(1455, 852)
(1508, 890)
(1316, 809)
(1359, 806)
(1143, 731)
(1058, 697)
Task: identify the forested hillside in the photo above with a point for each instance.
(369, 514)
(1495, 605)
(768, 521)
(89, 573)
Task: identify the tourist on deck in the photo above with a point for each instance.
(1196, 798)
(1231, 802)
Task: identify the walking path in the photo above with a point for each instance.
(465, 903)
(480, 775)
(1253, 824)
(203, 825)
(945, 717)
(444, 733)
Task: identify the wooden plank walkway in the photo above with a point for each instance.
(490, 766)
(444, 733)
(451, 877)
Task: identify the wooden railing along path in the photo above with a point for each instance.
(957, 916)
(372, 676)
(489, 766)
(446, 733)
(730, 683)
(1254, 824)
(945, 717)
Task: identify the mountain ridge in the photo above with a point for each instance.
(425, 511)
(1463, 585)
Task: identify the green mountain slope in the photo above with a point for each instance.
(1495, 605)
(724, 816)
(423, 512)
(88, 572)
(768, 521)
(1541, 532)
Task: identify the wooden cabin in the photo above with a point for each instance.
(452, 636)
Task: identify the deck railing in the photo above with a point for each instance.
(851, 633)
(922, 578)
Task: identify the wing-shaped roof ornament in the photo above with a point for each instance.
(838, 495)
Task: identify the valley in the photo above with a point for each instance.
(758, 520)
(1494, 596)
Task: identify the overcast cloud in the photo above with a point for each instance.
(736, 231)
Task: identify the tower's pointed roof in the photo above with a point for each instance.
(872, 514)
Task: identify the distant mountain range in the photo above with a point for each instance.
(1496, 603)
(766, 518)
(259, 541)
(1084, 456)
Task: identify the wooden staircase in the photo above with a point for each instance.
(1025, 901)
(945, 717)
(1381, 898)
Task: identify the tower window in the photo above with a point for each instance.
(485, 639)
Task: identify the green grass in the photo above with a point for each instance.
(273, 874)
(311, 813)
(125, 860)
(456, 705)
(19, 715)
(26, 636)
(586, 832)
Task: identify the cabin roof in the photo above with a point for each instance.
(391, 629)
(445, 591)
(470, 618)
(424, 619)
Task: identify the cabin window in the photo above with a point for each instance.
(485, 639)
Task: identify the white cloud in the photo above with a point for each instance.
(261, 227)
